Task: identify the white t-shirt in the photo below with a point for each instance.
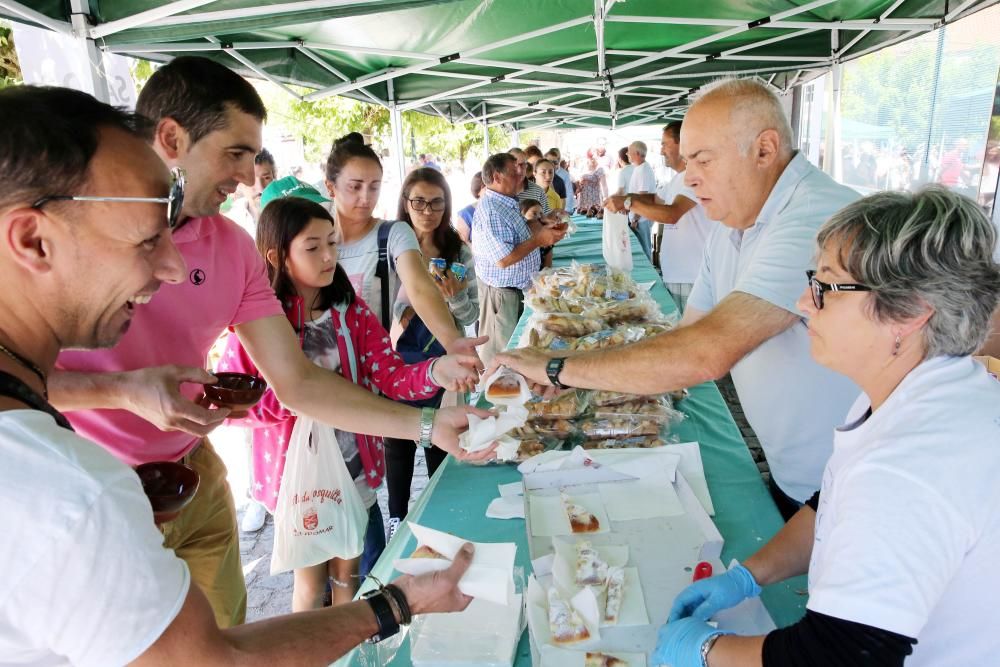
(642, 179)
(360, 258)
(684, 241)
(907, 534)
(624, 178)
(86, 579)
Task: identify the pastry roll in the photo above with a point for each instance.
(616, 592)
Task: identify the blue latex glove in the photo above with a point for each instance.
(704, 598)
(679, 642)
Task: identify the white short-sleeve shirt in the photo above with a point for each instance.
(684, 241)
(642, 179)
(792, 403)
(625, 178)
(907, 534)
(360, 258)
(86, 579)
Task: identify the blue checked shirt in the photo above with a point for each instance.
(498, 228)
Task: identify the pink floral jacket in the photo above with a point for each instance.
(367, 358)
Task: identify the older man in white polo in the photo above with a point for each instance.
(741, 316)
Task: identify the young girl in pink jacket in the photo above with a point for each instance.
(337, 331)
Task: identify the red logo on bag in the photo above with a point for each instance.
(310, 520)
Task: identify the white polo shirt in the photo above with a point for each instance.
(684, 241)
(907, 534)
(792, 403)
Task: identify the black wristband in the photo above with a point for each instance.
(406, 615)
(387, 625)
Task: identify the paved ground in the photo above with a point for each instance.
(270, 596)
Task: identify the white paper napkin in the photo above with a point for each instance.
(511, 489)
(489, 575)
(483, 432)
(510, 507)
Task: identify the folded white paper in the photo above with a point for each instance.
(511, 507)
(489, 633)
(483, 432)
(489, 575)
(693, 470)
(511, 489)
(646, 498)
(548, 514)
(556, 460)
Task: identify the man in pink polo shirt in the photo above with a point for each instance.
(139, 400)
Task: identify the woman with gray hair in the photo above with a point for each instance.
(902, 542)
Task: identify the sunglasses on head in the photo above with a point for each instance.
(818, 288)
(174, 199)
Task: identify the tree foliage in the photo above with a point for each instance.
(10, 68)
(321, 122)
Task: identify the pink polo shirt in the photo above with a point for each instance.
(226, 285)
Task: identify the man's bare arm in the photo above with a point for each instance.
(704, 350)
(667, 214)
(690, 355)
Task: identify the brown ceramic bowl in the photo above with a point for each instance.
(237, 391)
(169, 487)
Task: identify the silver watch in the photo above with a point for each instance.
(707, 646)
(426, 426)
(627, 203)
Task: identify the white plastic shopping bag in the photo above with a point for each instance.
(320, 514)
(617, 241)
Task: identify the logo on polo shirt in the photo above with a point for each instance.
(197, 277)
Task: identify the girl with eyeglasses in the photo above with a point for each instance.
(425, 206)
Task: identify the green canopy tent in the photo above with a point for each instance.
(525, 64)
(536, 63)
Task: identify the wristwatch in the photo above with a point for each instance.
(707, 646)
(553, 369)
(627, 203)
(426, 427)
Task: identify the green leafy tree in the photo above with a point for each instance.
(10, 68)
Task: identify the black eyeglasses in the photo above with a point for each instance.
(174, 200)
(437, 205)
(818, 288)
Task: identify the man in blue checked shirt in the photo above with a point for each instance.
(506, 251)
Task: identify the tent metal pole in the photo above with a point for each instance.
(34, 16)
(487, 81)
(250, 12)
(486, 133)
(148, 16)
(396, 131)
(336, 72)
(96, 76)
(777, 24)
(833, 164)
(864, 33)
(517, 135)
(457, 57)
(809, 6)
(261, 72)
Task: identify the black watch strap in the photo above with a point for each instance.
(387, 625)
(553, 369)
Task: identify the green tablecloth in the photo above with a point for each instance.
(457, 496)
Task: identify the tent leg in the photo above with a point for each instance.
(396, 132)
(96, 78)
(517, 136)
(833, 162)
(486, 135)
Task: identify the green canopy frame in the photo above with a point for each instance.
(526, 64)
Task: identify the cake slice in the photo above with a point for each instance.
(565, 624)
(616, 593)
(590, 569)
(580, 520)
